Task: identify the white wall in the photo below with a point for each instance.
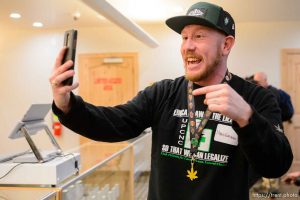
(27, 57)
(258, 47)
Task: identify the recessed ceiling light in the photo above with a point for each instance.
(77, 14)
(37, 24)
(15, 15)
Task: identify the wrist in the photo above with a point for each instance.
(64, 105)
(245, 117)
(65, 109)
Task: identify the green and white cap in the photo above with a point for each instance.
(206, 14)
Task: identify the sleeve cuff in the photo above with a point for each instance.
(74, 101)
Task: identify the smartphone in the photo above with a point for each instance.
(70, 40)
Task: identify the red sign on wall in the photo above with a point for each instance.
(108, 82)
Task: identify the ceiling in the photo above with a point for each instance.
(60, 13)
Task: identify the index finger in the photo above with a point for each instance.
(207, 89)
(59, 57)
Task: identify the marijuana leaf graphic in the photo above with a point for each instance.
(192, 174)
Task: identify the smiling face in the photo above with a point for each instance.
(204, 52)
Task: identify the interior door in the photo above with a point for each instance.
(290, 77)
(107, 79)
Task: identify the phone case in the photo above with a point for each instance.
(70, 41)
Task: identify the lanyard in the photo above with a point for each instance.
(196, 132)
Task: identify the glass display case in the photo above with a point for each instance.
(16, 193)
(108, 171)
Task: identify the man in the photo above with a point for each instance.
(240, 123)
(287, 111)
(283, 98)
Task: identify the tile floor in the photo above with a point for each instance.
(285, 192)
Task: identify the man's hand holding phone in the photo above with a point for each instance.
(70, 41)
(61, 88)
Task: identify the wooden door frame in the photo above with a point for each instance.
(81, 73)
(111, 55)
(288, 87)
(284, 64)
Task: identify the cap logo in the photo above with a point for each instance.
(198, 12)
(226, 20)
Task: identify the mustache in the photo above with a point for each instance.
(192, 55)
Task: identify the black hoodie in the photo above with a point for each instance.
(225, 152)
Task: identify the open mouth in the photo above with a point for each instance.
(193, 60)
(192, 63)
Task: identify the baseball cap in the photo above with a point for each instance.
(206, 14)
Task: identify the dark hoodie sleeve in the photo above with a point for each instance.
(263, 141)
(112, 124)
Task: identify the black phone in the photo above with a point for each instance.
(70, 41)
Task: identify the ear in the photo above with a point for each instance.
(228, 44)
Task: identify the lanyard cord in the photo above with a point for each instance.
(196, 132)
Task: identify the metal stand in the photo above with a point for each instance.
(26, 132)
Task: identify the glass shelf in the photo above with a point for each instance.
(107, 171)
